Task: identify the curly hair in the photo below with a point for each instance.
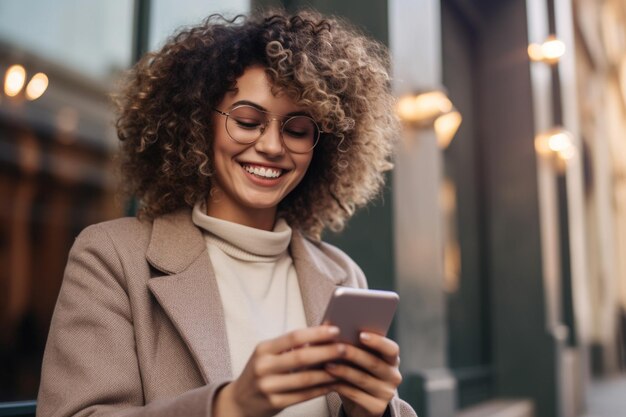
(322, 63)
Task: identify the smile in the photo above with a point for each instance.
(263, 172)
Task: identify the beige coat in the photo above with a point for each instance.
(139, 329)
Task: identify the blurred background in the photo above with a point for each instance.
(503, 225)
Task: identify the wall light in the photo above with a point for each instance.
(36, 86)
(423, 108)
(557, 144)
(14, 80)
(550, 51)
(446, 127)
(431, 110)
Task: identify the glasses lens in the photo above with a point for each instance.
(245, 124)
(300, 134)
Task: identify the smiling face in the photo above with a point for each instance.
(252, 179)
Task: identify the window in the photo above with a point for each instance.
(55, 154)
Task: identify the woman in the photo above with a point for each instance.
(243, 141)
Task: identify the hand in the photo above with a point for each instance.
(366, 392)
(279, 374)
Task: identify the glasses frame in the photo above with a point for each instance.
(266, 124)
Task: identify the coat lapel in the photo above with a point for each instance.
(318, 277)
(189, 294)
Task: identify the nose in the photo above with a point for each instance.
(270, 142)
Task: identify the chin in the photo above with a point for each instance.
(262, 201)
(262, 204)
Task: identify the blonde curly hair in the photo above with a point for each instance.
(321, 63)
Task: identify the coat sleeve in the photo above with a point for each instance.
(90, 365)
(399, 408)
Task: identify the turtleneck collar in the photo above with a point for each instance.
(243, 242)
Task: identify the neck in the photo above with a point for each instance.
(263, 219)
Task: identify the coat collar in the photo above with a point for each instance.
(189, 294)
(175, 242)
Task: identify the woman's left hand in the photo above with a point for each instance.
(367, 393)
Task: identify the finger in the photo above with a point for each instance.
(280, 401)
(387, 348)
(376, 366)
(373, 405)
(305, 357)
(300, 337)
(296, 381)
(362, 380)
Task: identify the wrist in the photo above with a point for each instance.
(224, 404)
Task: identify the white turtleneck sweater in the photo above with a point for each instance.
(259, 290)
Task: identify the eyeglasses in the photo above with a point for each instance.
(246, 124)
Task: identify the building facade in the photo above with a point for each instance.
(506, 244)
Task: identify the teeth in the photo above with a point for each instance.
(263, 172)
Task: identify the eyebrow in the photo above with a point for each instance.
(263, 109)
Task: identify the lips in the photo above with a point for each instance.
(263, 171)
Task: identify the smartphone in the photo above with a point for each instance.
(354, 310)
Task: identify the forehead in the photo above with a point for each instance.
(255, 86)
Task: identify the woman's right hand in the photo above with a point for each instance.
(281, 372)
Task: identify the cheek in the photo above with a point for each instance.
(222, 144)
(303, 164)
(305, 161)
(224, 149)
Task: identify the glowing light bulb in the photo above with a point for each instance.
(406, 109)
(36, 86)
(550, 51)
(556, 142)
(446, 127)
(424, 107)
(14, 80)
(553, 49)
(534, 52)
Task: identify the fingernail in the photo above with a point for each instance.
(365, 336)
(334, 330)
(341, 348)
